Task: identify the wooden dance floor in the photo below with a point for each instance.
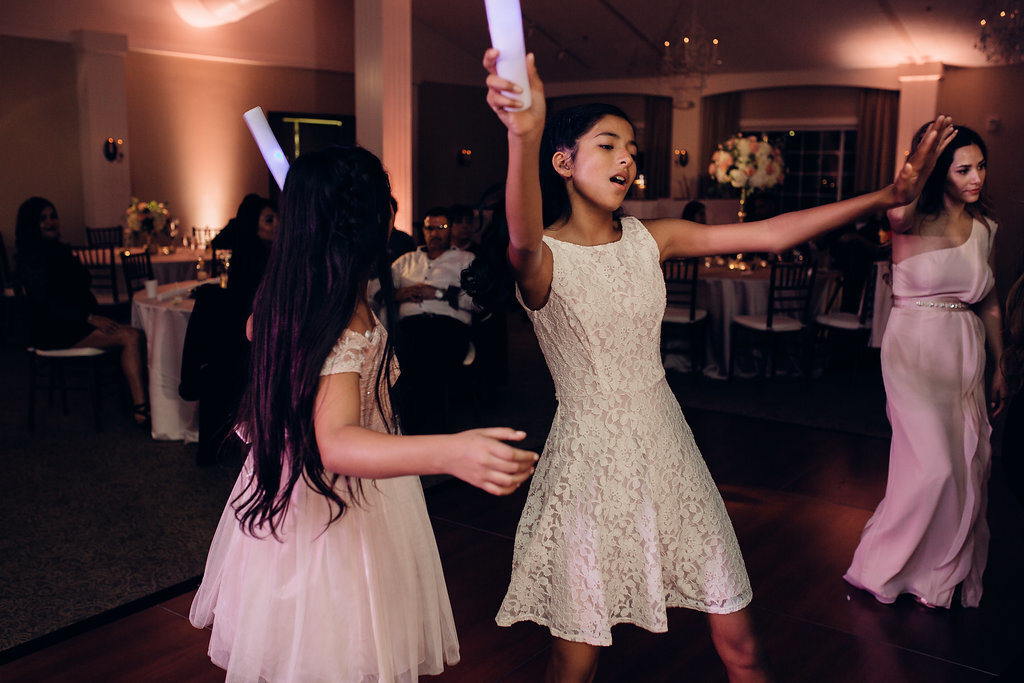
(798, 497)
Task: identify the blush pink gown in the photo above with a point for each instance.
(929, 533)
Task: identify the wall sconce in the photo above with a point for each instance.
(112, 149)
(465, 156)
(682, 157)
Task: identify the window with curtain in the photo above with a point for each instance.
(837, 142)
(819, 166)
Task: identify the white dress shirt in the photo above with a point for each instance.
(445, 271)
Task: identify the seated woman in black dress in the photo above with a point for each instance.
(215, 358)
(249, 236)
(62, 310)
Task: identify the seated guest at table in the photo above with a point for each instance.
(463, 228)
(249, 236)
(241, 224)
(215, 355)
(214, 368)
(695, 211)
(434, 317)
(62, 310)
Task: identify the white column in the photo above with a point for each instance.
(102, 114)
(383, 42)
(919, 97)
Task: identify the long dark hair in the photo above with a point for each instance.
(248, 216)
(562, 132)
(28, 238)
(930, 202)
(335, 213)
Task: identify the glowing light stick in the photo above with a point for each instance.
(505, 21)
(277, 162)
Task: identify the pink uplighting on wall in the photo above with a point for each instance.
(204, 13)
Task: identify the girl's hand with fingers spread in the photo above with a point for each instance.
(521, 123)
(482, 458)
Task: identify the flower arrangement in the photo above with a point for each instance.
(748, 164)
(147, 217)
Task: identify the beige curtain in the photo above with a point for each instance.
(877, 117)
(658, 131)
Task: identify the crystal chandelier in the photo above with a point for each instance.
(1002, 32)
(691, 56)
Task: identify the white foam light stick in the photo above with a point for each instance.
(272, 153)
(505, 21)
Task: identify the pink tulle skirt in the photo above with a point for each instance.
(364, 600)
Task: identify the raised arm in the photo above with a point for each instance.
(677, 238)
(939, 134)
(479, 456)
(529, 258)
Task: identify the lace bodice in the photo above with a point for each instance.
(601, 326)
(362, 353)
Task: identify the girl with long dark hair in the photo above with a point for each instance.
(324, 565)
(623, 519)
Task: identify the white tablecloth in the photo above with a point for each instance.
(164, 320)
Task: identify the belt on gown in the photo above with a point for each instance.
(944, 303)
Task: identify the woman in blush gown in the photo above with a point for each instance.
(929, 533)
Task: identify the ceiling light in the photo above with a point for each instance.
(688, 60)
(1002, 31)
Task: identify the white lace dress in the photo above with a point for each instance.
(623, 519)
(364, 601)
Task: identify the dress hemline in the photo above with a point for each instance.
(735, 605)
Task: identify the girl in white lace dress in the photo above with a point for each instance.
(623, 519)
(324, 565)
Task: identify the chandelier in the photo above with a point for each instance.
(691, 56)
(1002, 32)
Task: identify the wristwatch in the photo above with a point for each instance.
(438, 294)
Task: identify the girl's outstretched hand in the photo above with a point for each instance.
(482, 458)
(912, 177)
(522, 123)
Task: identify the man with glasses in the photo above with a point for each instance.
(434, 315)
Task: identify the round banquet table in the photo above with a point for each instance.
(164, 320)
(179, 266)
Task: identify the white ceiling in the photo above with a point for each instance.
(597, 39)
